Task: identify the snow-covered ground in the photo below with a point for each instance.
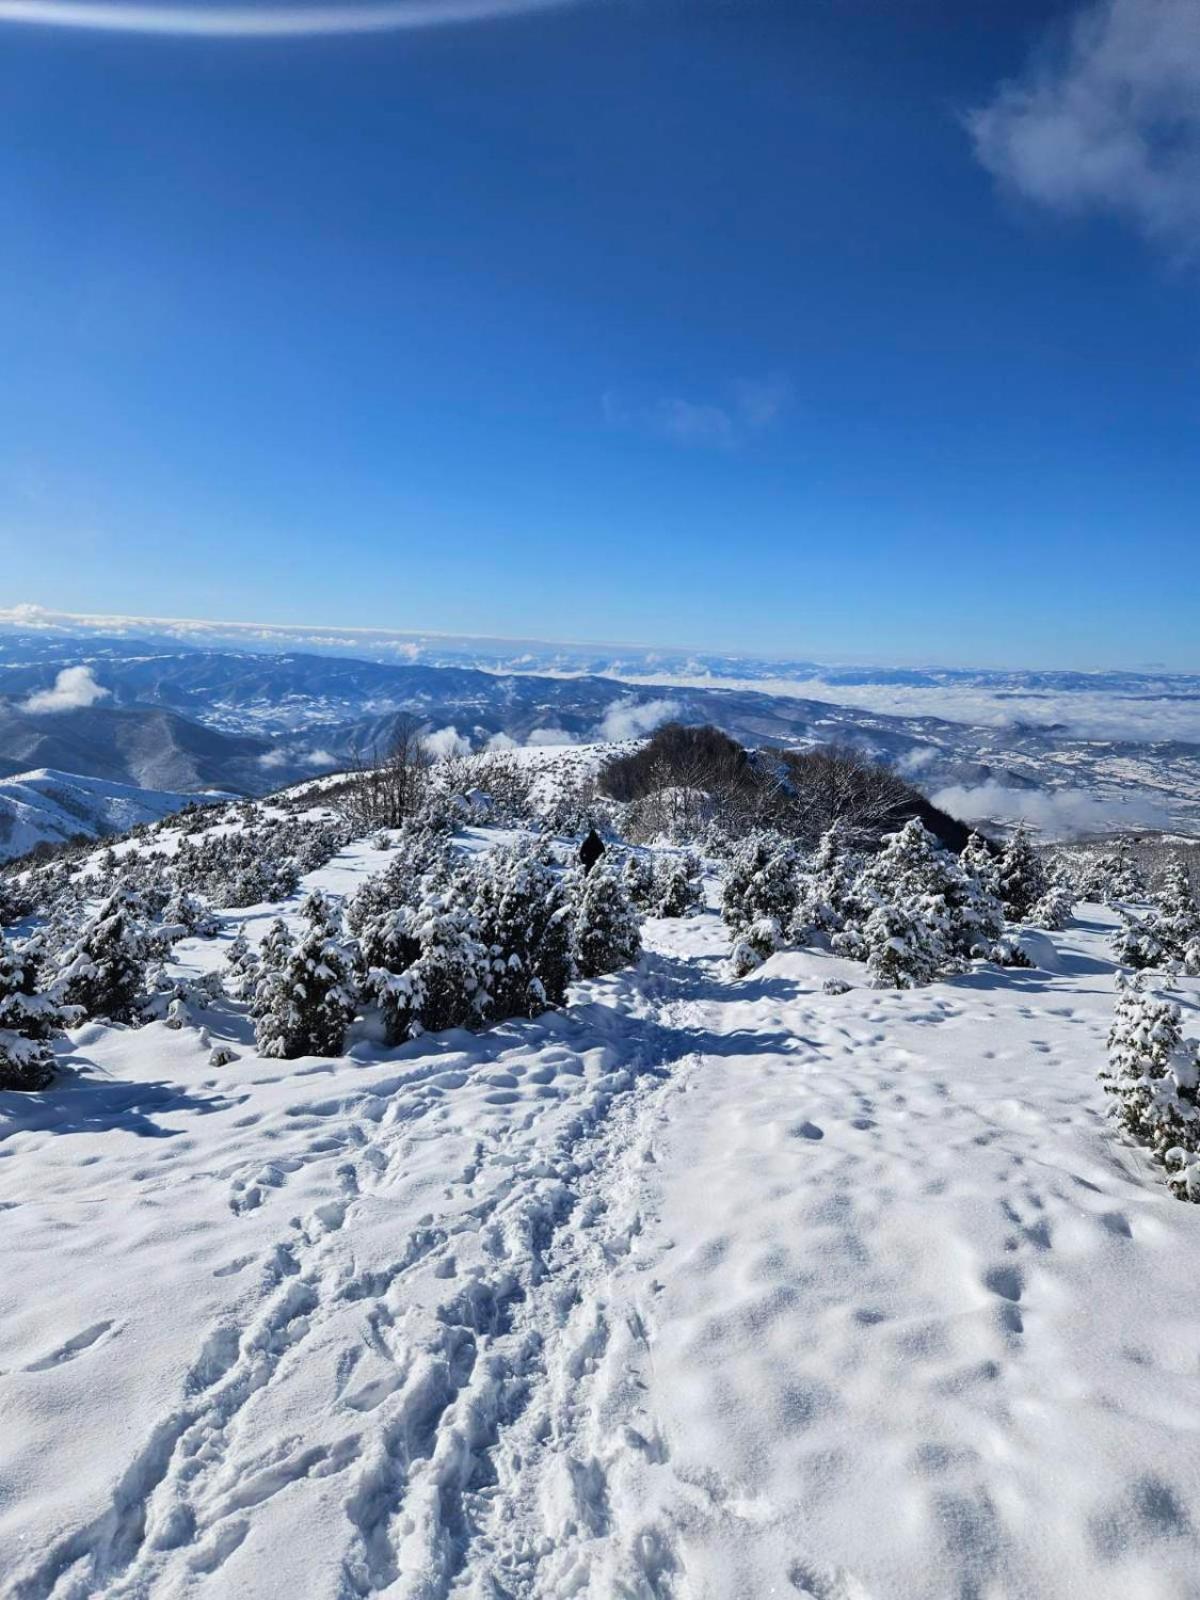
(698, 1288)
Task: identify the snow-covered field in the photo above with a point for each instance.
(699, 1288)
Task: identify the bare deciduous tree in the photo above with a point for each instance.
(385, 788)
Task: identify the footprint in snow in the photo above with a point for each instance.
(74, 1346)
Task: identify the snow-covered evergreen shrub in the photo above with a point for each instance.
(16, 902)
(241, 964)
(1008, 952)
(185, 913)
(104, 971)
(1153, 1078)
(312, 996)
(904, 947)
(761, 880)
(1054, 910)
(639, 875)
(1117, 876)
(1168, 932)
(1022, 881)
(825, 889)
(981, 862)
(30, 1017)
(946, 915)
(676, 887)
(524, 922)
(607, 933)
(447, 985)
(1176, 916)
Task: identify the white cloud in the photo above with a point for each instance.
(1056, 813)
(501, 741)
(264, 22)
(755, 404)
(914, 761)
(1107, 122)
(272, 760)
(74, 688)
(320, 758)
(549, 736)
(629, 720)
(447, 742)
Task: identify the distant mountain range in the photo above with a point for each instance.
(160, 714)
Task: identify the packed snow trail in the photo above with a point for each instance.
(697, 1289)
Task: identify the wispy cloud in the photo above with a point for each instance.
(1107, 120)
(74, 689)
(263, 21)
(752, 405)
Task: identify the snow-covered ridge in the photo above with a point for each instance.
(45, 806)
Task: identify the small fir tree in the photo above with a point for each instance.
(607, 932)
(104, 971)
(1022, 876)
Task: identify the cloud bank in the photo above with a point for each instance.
(74, 689)
(264, 21)
(1056, 813)
(1108, 121)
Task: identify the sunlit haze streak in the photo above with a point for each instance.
(264, 22)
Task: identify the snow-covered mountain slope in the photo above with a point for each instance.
(698, 1288)
(148, 747)
(47, 807)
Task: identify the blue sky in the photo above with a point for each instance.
(771, 325)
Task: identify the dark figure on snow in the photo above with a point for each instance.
(591, 850)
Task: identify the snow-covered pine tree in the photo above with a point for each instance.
(104, 971)
(1137, 943)
(1176, 916)
(1118, 876)
(523, 920)
(242, 963)
(274, 954)
(15, 902)
(676, 885)
(639, 875)
(314, 1000)
(190, 916)
(1055, 909)
(607, 932)
(904, 946)
(761, 880)
(826, 886)
(1153, 1077)
(29, 1019)
(1022, 880)
(982, 863)
(447, 985)
(943, 915)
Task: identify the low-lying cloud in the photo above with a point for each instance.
(447, 742)
(74, 689)
(629, 719)
(1055, 813)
